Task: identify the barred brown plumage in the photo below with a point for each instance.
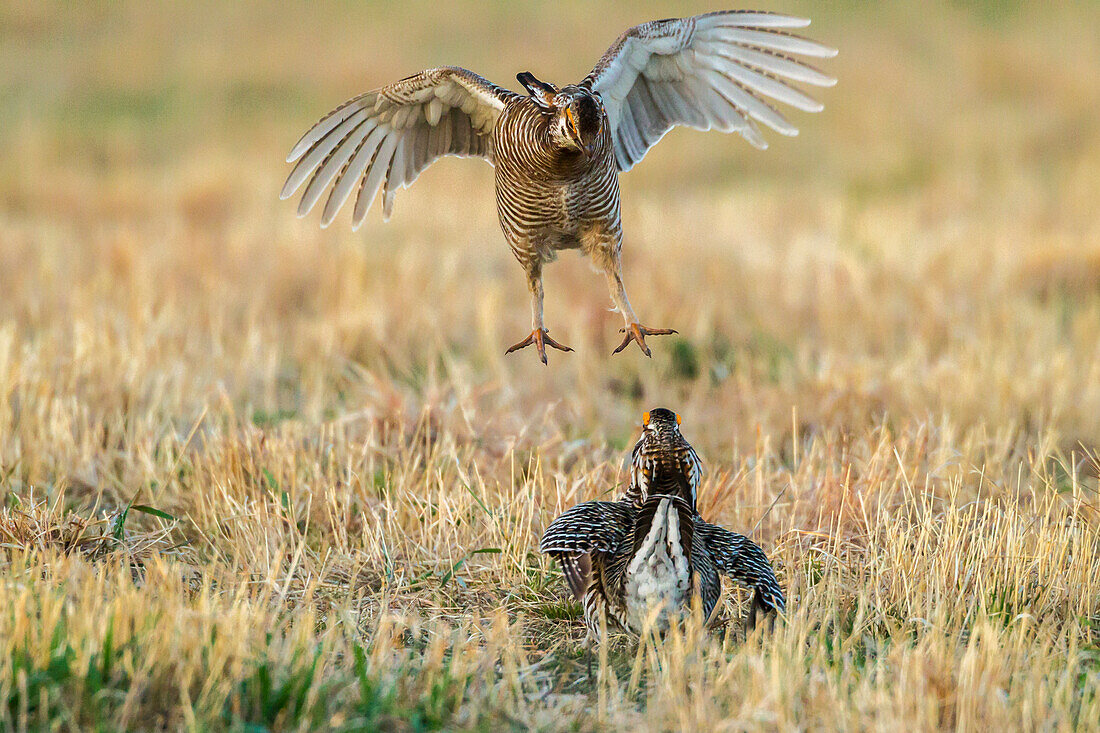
(662, 462)
(558, 151)
(650, 547)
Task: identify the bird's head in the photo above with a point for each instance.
(578, 120)
(661, 426)
(576, 114)
(662, 461)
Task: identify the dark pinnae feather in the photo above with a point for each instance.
(587, 114)
(540, 91)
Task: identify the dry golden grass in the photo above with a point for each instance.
(891, 323)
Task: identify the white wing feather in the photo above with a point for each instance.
(385, 138)
(714, 71)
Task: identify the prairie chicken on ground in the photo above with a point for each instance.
(651, 549)
(558, 152)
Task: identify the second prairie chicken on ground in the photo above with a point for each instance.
(557, 151)
(645, 556)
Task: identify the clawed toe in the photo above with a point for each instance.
(541, 339)
(638, 332)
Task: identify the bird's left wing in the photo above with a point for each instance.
(741, 559)
(389, 135)
(594, 527)
(710, 71)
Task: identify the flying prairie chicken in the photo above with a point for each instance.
(648, 554)
(558, 152)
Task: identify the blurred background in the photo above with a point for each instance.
(926, 251)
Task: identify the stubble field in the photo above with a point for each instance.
(889, 334)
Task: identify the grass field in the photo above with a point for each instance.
(889, 327)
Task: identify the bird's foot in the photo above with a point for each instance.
(638, 332)
(541, 339)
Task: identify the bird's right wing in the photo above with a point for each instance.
(708, 71)
(390, 135)
(741, 559)
(586, 529)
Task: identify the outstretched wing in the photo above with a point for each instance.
(586, 529)
(741, 559)
(390, 135)
(707, 71)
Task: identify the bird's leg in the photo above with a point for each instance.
(597, 635)
(634, 331)
(588, 642)
(595, 622)
(539, 337)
